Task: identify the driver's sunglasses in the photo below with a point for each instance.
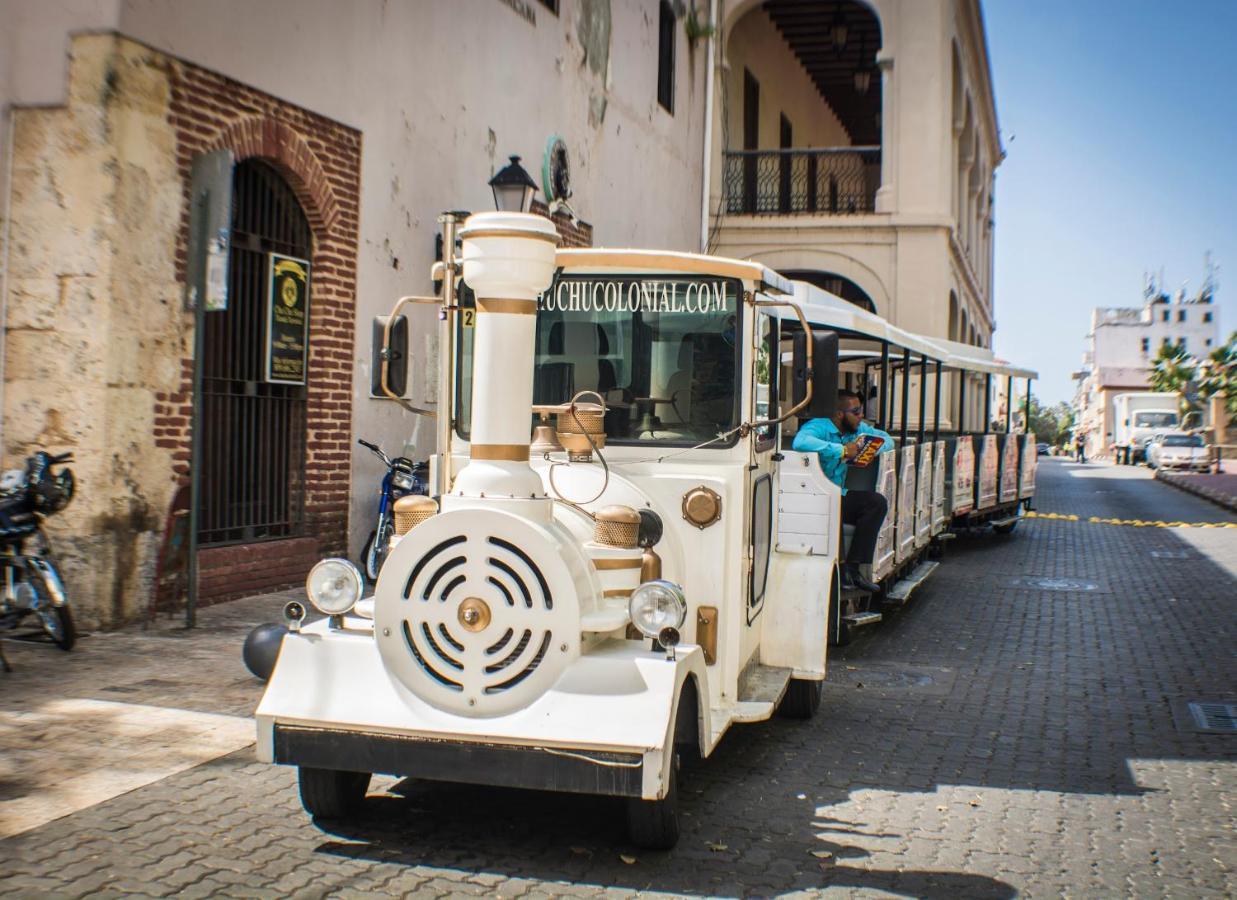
(854, 410)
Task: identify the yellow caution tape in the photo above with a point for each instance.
(1134, 523)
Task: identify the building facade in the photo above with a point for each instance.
(1121, 347)
(848, 143)
(855, 146)
(349, 128)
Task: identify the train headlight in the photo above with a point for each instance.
(657, 604)
(334, 586)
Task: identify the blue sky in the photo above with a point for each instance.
(1119, 122)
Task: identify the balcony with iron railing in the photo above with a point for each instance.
(816, 181)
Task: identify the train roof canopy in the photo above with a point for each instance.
(663, 261)
(979, 359)
(824, 308)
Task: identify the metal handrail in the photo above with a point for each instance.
(820, 151)
(798, 181)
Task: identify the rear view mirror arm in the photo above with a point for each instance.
(386, 353)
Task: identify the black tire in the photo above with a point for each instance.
(331, 794)
(1007, 528)
(57, 621)
(58, 625)
(802, 699)
(654, 824)
(374, 553)
(839, 630)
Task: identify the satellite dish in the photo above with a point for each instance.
(555, 171)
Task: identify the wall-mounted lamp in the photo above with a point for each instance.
(513, 188)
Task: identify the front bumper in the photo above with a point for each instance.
(1197, 465)
(580, 771)
(604, 727)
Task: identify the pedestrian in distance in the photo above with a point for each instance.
(1080, 449)
(836, 441)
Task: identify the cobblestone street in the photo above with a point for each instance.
(1020, 729)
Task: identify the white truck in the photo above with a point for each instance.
(1139, 417)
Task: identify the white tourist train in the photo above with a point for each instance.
(624, 556)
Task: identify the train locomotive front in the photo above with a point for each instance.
(494, 648)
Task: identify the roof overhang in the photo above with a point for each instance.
(666, 261)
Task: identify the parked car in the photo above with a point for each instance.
(1178, 450)
(1041, 449)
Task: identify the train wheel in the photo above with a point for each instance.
(654, 824)
(331, 794)
(839, 630)
(802, 699)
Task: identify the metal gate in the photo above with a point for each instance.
(252, 431)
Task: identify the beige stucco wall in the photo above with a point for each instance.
(922, 243)
(443, 93)
(785, 89)
(93, 324)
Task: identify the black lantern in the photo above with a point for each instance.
(513, 188)
(838, 32)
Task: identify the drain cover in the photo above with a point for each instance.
(1218, 718)
(1059, 584)
(884, 677)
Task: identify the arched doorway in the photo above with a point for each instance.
(253, 429)
(837, 285)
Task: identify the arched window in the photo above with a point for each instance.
(835, 284)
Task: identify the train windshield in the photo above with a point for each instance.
(662, 351)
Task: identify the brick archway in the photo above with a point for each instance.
(321, 161)
(277, 142)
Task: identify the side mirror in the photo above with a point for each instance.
(396, 356)
(823, 376)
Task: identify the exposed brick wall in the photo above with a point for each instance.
(321, 160)
(570, 233)
(226, 573)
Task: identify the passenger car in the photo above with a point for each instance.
(1177, 450)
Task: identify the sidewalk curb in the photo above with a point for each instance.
(1182, 482)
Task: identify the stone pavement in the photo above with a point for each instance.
(1019, 729)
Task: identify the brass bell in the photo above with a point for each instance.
(545, 437)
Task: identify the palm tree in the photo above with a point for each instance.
(1173, 372)
(1217, 374)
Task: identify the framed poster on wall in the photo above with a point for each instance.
(287, 319)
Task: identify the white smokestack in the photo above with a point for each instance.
(508, 262)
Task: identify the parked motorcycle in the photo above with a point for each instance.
(403, 477)
(30, 582)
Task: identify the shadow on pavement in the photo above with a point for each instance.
(581, 840)
(1068, 688)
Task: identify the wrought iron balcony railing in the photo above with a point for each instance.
(829, 181)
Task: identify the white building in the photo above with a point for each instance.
(1121, 346)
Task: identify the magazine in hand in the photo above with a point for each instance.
(869, 445)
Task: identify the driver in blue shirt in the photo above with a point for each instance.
(833, 440)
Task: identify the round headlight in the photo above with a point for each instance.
(334, 586)
(657, 604)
